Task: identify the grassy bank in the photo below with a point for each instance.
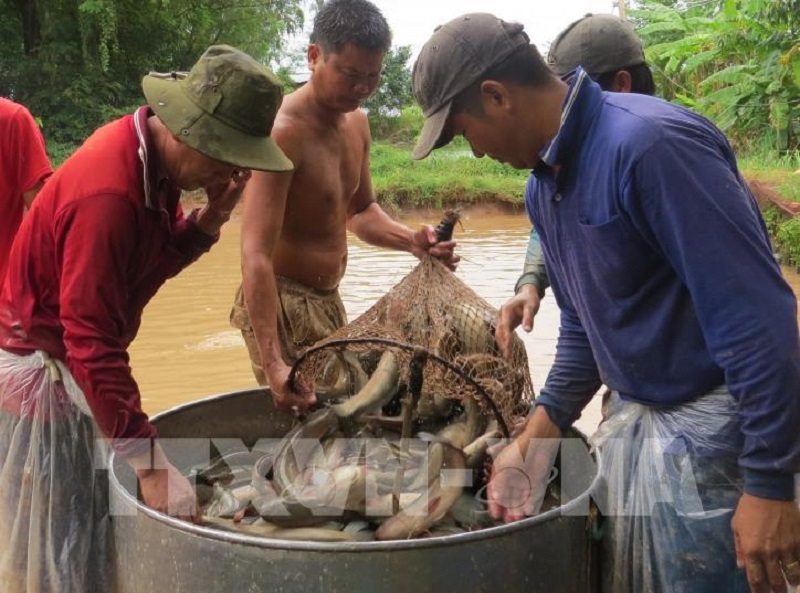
(781, 173)
(449, 177)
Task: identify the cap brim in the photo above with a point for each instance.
(432, 130)
(227, 144)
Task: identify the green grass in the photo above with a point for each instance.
(449, 176)
(452, 176)
(781, 172)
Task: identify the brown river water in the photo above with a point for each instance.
(186, 349)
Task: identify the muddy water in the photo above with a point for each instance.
(187, 350)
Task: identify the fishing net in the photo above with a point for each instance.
(441, 334)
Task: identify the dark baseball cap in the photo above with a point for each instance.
(456, 56)
(599, 43)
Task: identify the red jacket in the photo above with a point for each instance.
(23, 164)
(100, 240)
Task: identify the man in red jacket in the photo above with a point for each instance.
(24, 166)
(105, 233)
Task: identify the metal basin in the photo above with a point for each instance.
(550, 553)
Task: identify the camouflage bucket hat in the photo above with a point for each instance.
(224, 108)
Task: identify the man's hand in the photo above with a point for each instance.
(167, 491)
(222, 199)
(520, 471)
(424, 243)
(521, 308)
(282, 396)
(767, 536)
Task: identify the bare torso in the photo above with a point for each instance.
(333, 156)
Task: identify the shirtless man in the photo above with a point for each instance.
(294, 241)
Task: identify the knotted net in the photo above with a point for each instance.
(441, 334)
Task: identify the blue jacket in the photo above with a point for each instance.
(662, 268)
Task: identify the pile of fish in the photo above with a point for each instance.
(389, 462)
(345, 474)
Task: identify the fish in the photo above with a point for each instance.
(226, 502)
(428, 508)
(433, 406)
(471, 514)
(381, 507)
(334, 381)
(444, 230)
(299, 445)
(341, 376)
(419, 470)
(475, 452)
(318, 500)
(358, 377)
(314, 480)
(377, 392)
(474, 328)
(460, 434)
(392, 423)
(226, 468)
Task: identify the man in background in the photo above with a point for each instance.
(294, 230)
(24, 167)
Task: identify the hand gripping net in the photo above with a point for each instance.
(432, 322)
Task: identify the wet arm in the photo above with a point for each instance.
(262, 219)
(369, 221)
(528, 293)
(373, 225)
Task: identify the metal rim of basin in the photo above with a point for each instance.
(369, 546)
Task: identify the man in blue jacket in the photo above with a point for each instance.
(662, 269)
(611, 53)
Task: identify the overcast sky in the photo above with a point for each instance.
(413, 21)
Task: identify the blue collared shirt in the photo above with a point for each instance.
(661, 265)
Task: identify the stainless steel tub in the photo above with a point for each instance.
(550, 553)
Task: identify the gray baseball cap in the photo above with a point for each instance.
(599, 43)
(456, 56)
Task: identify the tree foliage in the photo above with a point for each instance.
(79, 63)
(393, 94)
(736, 61)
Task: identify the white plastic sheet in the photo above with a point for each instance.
(673, 483)
(55, 528)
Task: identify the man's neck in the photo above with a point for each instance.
(317, 109)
